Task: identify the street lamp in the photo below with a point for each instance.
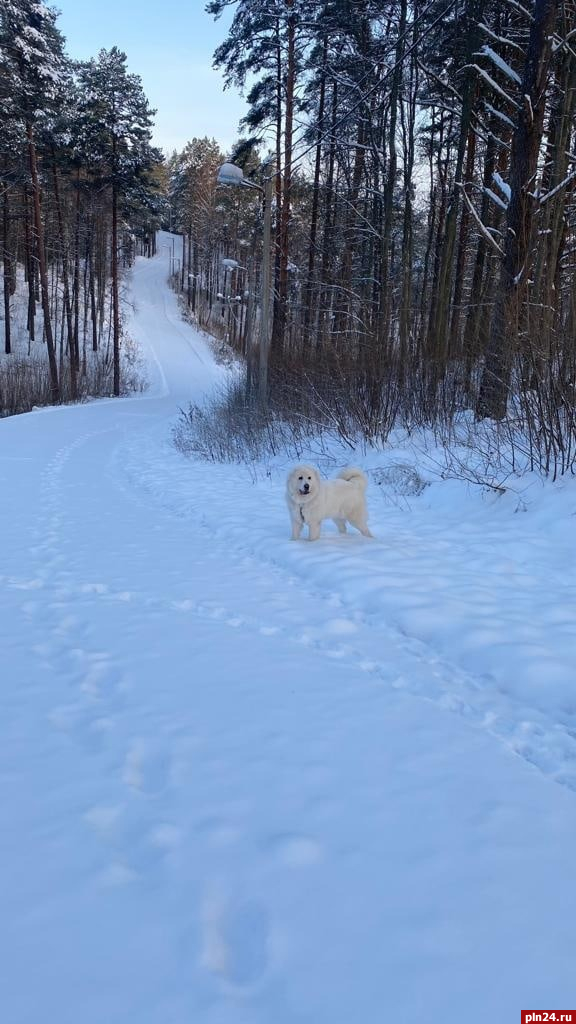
(229, 264)
(230, 174)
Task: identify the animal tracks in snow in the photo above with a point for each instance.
(360, 637)
(418, 671)
(350, 639)
(221, 807)
(157, 804)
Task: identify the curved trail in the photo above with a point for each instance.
(225, 800)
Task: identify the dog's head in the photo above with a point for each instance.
(303, 483)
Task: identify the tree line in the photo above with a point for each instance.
(424, 164)
(79, 186)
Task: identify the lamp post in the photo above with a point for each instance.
(230, 174)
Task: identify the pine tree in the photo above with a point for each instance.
(115, 133)
(517, 256)
(270, 36)
(33, 74)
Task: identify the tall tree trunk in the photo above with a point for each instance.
(474, 340)
(552, 221)
(30, 272)
(66, 284)
(408, 110)
(446, 272)
(278, 177)
(390, 185)
(55, 394)
(345, 291)
(309, 286)
(78, 218)
(514, 273)
(328, 221)
(7, 269)
(190, 269)
(280, 322)
(443, 146)
(92, 289)
(115, 291)
(460, 258)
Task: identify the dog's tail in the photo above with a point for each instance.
(354, 475)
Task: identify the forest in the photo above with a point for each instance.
(423, 165)
(419, 162)
(79, 189)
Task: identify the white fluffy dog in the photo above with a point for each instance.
(312, 499)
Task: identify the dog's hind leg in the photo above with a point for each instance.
(362, 525)
(341, 524)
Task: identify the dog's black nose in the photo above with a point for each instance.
(306, 488)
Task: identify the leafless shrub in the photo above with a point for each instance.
(233, 427)
(542, 426)
(24, 382)
(304, 404)
(398, 478)
(133, 376)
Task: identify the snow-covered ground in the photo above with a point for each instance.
(246, 781)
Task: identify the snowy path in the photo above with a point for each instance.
(225, 799)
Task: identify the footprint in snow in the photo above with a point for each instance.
(116, 875)
(165, 836)
(295, 851)
(235, 941)
(146, 768)
(77, 721)
(103, 819)
(218, 831)
(341, 627)
(94, 588)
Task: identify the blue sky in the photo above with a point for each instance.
(169, 43)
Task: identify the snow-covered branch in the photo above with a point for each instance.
(501, 39)
(502, 185)
(500, 63)
(499, 114)
(521, 10)
(488, 237)
(494, 197)
(563, 184)
(494, 85)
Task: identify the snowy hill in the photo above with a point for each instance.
(247, 781)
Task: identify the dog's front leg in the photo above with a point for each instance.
(297, 525)
(313, 531)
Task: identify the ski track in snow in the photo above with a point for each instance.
(200, 810)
